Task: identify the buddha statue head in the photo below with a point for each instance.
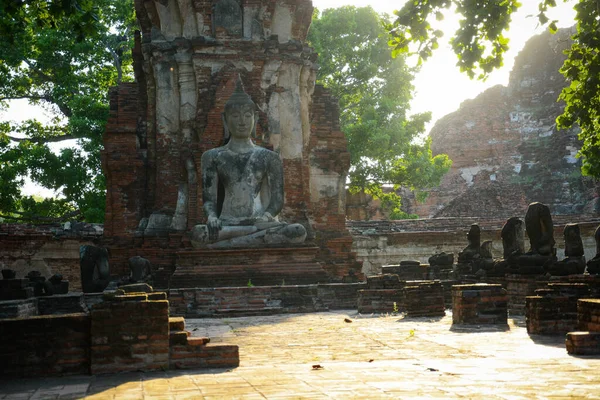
(239, 116)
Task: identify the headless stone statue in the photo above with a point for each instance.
(539, 227)
(251, 178)
(513, 245)
(593, 266)
(574, 262)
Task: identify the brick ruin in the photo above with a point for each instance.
(505, 148)
(187, 59)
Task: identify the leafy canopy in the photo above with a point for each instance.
(374, 90)
(479, 44)
(63, 56)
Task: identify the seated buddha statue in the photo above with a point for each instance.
(242, 187)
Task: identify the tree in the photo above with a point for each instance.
(62, 56)
(479, 44)
(374, 90)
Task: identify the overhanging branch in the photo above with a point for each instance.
(52, 139)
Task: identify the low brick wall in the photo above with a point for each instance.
(130, 333)
(553, 311)
(45, 345)
(262, 300)
(380, 301)
(479, 304)
(339, 296)
(62, 304)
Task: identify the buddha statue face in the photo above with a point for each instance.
(239, 116)
(240, 120)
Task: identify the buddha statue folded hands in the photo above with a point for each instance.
(242, 187)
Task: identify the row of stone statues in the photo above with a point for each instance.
(541, 258)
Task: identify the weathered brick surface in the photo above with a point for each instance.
(46, 345)
(479, 304)
(129, 333)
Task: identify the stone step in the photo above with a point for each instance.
(176, 323)
(178, 337)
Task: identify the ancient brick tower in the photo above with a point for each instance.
(187, 59)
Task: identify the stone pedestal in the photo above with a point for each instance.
(479, 304)
(247, 267)
(424, 299)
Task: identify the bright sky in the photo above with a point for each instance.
(440, 87)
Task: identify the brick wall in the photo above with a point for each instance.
(49, 249)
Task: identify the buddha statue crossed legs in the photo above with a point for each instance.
(251, 178)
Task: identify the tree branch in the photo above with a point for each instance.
(52, 139)
(32, 97)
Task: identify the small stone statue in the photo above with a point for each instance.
(538, 223)
(95, 272)
(513, 245)
(252, 181)
(474, 247)
(470, 253)
(513, 238)
(59, 285)
(574, 262)
(593, 266)
(139, 269)
(41, 287)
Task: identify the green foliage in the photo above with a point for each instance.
(582, 96)
(386, 145)
(479, 41)
(479, 45)
(63, 56)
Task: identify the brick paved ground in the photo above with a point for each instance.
(371, 357)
